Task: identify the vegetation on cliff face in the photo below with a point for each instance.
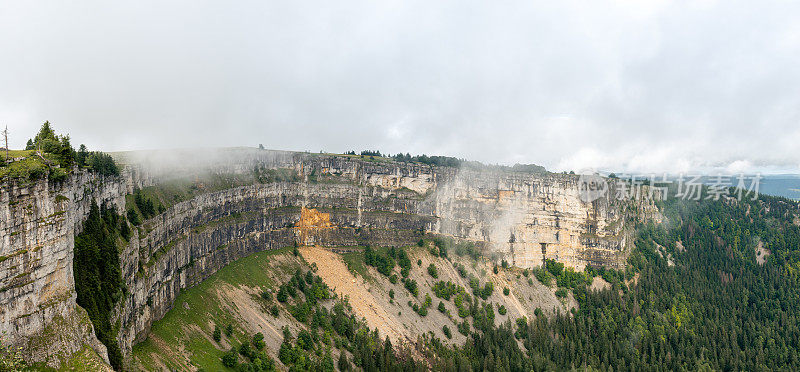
(98, 281)
(11, 358)
(142, 205)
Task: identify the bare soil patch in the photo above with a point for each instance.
(762, 253)
(599, 284)
(332, 269)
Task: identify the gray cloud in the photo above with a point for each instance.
(629, 85)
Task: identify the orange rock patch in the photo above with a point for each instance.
(310, 220)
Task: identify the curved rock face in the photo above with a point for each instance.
(333, 201)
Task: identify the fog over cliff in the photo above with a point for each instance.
(624, 85)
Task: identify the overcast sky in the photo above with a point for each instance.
(627, 85)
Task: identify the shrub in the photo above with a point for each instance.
(463, 327)
(283, 294)
(343, 364)
(542, 275)
(554, 267)
(230, 358)
(258, 341)
(462, 271)
(502, 310)
(441, 307)
(301, 311)
(292, 290)
(274, 311)
(217, 334)
(384, 264)
(446, 331)
(244, 349)
(488, 288)
(124, 229)
(561, 292)
(506, 291)
(305, 340)
(134, 217)
(432, 271)
(445, 289)
(411, 286)
(229, 330)
(285, 353)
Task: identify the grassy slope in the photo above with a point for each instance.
(85, 360)
(203, 311)
(22, 168)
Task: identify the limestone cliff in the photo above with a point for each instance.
(326, 201)
(526, 219)
(38, 222)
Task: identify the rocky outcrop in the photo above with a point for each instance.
(38, 222)
(329, 201)
(526, 219)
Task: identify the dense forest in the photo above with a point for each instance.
(98, 280)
